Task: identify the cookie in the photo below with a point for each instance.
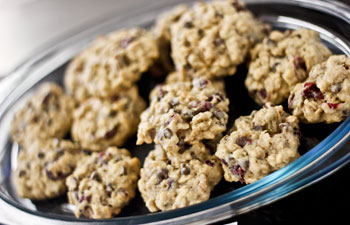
(183, 113)
(162, 30)
(112, 63)
(178, 76)
(212, 39)
(42, 168)
(103, 183)
(325, 95)
(260, 143)
(47, 114)
(281, 61)
(172, 180)
(99, 123)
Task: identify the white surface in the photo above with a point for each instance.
(26, 25)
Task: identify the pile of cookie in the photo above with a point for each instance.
(72, 142)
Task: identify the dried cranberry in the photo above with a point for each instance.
(210, 163)
(312, 91)
(85, 198)
(126, 41)
(238, 170)
(242, 141)
(115, 98)
(203, 83)
(169, 120)
(109, 134)
(205, 107)
(184, 170)
(162, 174)
(224, 162)
(333, 105)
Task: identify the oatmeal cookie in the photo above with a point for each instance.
(103, 183)
(43, 166)
(179, 76)
(325, 95)
(172, 180)
(260, 143)
(212, 39)
(47, 114)
(112, 63)
(281, 61)
(161, 30)
(183, 112)
(99, 123)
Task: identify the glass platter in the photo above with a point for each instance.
(320, 145)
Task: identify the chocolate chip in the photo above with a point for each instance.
(242, 141)
(59, 154)
(109, 189)
(238, 6)
(111, 133)
(46, 99)
(224, 162)
(124, 171)
(174, 102)
(112, 113)
(95, 176)
(170, 183)
(297, 132)
(167, 133)
(200, 32)
(41, 155)
(123, 61)
(206, 106)
(126, 41)
(187, 67)
(184, 170)
(263, 93)
(299, 63)
(219, 114)
(219, 41)
(193, 104)
(257, 127)
(219, 15)
(115, 98)
(59, 175)
(274, 67)
(188, 24)
(22, 173)
(161, 175)
(335, 88)
(312, 91)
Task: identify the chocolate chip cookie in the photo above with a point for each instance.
(281, 61)
(99, 123)
(260, 143)
(171, 180)
(212, 39)
(103, 183)
(47, 114)
(43, 166)
(182, 113)
(112, 63)
(325, 95)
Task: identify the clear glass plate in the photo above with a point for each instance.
(321, 146)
